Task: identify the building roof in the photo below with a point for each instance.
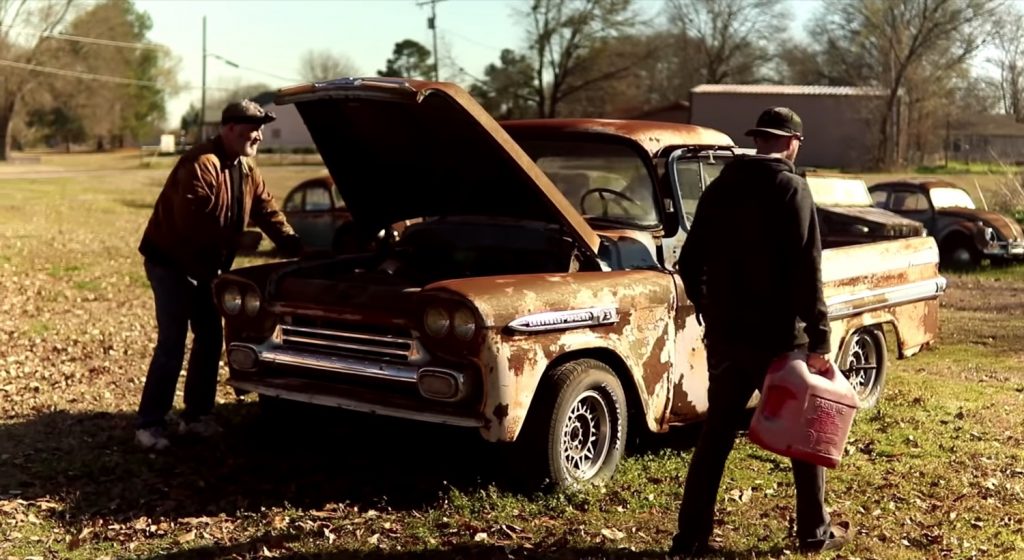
(773, 89)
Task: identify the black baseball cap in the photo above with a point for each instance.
(778, 121)
(246, 112)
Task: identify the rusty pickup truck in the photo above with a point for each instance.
(535, 297)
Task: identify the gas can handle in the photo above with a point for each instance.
(827, 373)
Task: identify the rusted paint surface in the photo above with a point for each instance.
(651, 136)
(642, 337)
(501, 299)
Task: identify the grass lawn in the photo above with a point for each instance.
(935, 471)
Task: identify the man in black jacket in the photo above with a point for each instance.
(751, 266)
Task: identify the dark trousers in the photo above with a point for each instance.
(180, 305)
(734, 373)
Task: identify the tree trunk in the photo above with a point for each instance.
(6, 119)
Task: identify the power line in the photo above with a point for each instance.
(73, 73)
(470, 39)
(92, 40)
(89, 76)
(249, 69)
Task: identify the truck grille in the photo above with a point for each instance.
(349, 340)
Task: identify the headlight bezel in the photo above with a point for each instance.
(462, 322)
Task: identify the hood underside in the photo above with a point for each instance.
(405, 149)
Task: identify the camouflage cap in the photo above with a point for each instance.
(245, 111)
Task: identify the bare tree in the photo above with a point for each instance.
(1008, 60)
(886, 42)
(318, 65)
(21, 52)
(734, 38)
(563, 35)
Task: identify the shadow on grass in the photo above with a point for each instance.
(321, 456)
(460, 552)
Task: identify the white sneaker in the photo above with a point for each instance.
(152, 438)
(205, 427)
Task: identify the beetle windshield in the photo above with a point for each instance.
(604, 182)
(951, 197)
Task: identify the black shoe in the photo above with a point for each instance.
(700, 550)
(837, 538)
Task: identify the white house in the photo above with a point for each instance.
(287, 132)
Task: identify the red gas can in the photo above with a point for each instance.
(804, 415)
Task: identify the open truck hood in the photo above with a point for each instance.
(404, 149)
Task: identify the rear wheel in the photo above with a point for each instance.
(865, 365)
(578, 433)
(959, 253)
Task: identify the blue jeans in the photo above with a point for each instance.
(180, 305)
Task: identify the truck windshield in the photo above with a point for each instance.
(839, 191)
(951, 197)
(604, 182)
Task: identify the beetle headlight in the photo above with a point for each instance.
(251, 303)
(464, 324)
(436, 321)
(231, 300)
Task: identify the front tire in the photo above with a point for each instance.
(865, 365)
(578, 434)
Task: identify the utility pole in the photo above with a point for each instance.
(202, 103)
(432, 25)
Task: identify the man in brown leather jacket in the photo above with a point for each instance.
(192, 236)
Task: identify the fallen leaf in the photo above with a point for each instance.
(480, 537)
(187, 537)
(612, 534)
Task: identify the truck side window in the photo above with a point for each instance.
(690, 185)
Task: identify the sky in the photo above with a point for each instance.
(266, 38)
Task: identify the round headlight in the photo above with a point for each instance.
(232, 300)
(464, 324)
(252, 303)
(436, 321)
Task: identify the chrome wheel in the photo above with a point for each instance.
(585, 436)
(865, 365)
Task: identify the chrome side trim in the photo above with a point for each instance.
(847, 305)
(569, 319)
(350, 404)
(336, 364)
